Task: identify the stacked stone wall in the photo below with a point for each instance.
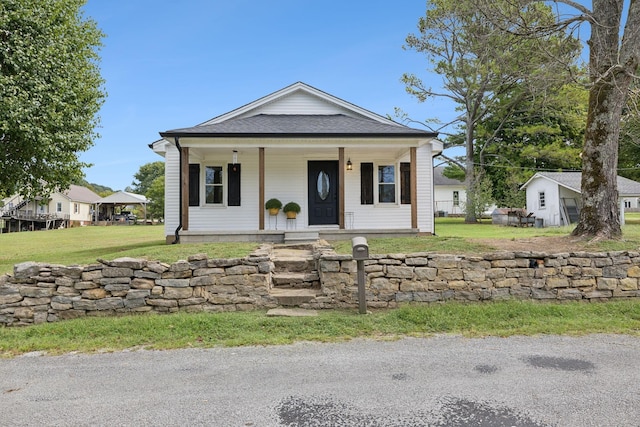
(38, 293)
(426, 277)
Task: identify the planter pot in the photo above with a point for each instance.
(291, 215)
(274, 211)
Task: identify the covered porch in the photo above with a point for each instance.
(223, 191)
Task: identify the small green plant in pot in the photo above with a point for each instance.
(273, 206)
(291, 209)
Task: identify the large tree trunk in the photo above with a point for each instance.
(599, 216)
(612, 65)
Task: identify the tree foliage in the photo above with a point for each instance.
(486, 69)
(614, 57)
(145, 176)
(149, 180)
(541, 134)
(155, 194)
(50, 92)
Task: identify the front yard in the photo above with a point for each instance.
(84, 245)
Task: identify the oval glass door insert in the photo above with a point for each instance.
(323, 185)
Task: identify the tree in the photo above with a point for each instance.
(155, 194)
(629, 146)
(481, 65)
(614, 56)
(50, 92)
(146, 175)
(542, 134)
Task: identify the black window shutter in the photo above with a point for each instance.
(366, 183)
(233, 175)
(405, 183)
(194, 184)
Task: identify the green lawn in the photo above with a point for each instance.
(204, 330)
(84, 245)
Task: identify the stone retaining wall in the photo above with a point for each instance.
(38, 293)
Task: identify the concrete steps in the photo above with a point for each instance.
(293, 297)
(294, 277)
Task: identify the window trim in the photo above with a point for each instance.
(542, 200)
(378, 183)
(222, 184)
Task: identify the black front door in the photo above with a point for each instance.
(323, 192)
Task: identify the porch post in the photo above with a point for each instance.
(184, 182)
(341, 176)
(261, 188)
(413, 187)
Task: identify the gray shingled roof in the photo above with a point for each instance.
(78, 193)
(572, 180)
(265, 125)
(440, 179)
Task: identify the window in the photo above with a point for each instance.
(213, 186)
(386, 184)
(76, 208)
(456, 198)
(59, 207)
(542, 203)
(627, 204)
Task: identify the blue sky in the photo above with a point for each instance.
(171, 64)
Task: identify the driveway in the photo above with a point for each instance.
(439, 381)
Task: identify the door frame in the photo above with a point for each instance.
(335, 188)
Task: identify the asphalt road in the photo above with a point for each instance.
(440, 381)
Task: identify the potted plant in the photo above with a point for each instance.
(273, 206)
(291, 209)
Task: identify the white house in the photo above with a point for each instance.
(71, 207)
(450, 194)
(556, 196)
(351, 170)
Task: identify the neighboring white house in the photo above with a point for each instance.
(449, 194)
(66, 208)
(556, 196)
(352, 171)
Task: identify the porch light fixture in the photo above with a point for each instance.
(349, 164)
(235, 156)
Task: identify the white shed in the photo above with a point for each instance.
(556, 196)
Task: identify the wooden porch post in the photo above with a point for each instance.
(341, 177)
(414, 187)
(184, 182)
(261, 188)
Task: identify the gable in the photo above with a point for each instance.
(301, 99)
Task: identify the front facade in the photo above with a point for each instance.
(556, 197)
(349, 169)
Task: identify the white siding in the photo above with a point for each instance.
(223, 217)
(551, 212)
(444, 198)
(378, 215)
(300, 103)
(425, 189)
(172, 190)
